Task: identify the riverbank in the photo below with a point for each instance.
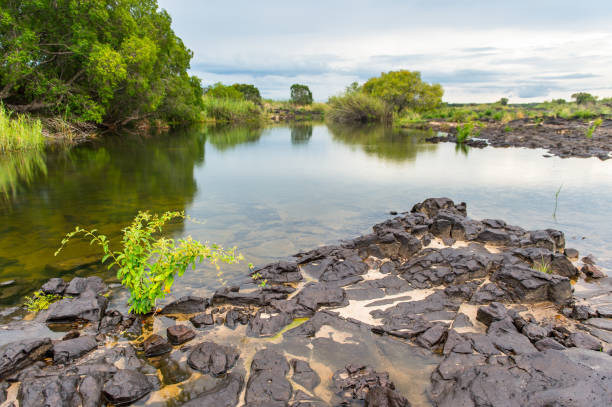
(454, 305)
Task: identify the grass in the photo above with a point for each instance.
(542, 266)
(19, 132)
(40, 301)
(466, 131)
(222, 110)
(596, 123)
(358, 107)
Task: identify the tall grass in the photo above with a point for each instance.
(358, 107)
(223, 110)
(19, 133)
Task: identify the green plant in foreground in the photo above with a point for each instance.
(19, 133)
(465, 132)
(40, 301)
(593, 127)
(542, 266)
(148, 263)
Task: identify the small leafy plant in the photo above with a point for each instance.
(542, 266)
(40, 301)
(466, 131)
(148, 263)
(593, 127)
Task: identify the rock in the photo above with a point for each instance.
(560, 265)
(65, 351)
(432, 206)
(354, 381)
(571, 254)
(592, 271)
(19, 355)
(179, 334)
(233, 296)
(126, 387)
(267, 385)
(385, 397)
(155, 345)
(3, 389)
(601, 323)
(462, 321)
(202, 320)
(548, 343)
(315, 295)
(90, 390)
(304, 375)
(208, 357)
(79, 285)
(111, 322)
(280, 272)
(505, 337)
(590, 259)
(224, 394)
(88, 307)
(49, 391)
(235, 316)
(432, 336)
(268, 322)
(494, 237)
(54, 286)
(582, 312)
(527, 285)
(491, 313)
(535, 332)
(186, 305)
(584, 341)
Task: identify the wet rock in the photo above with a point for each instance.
(432, 206)
(267, 384)
(49, 391)
(527, 285)
(491, 313)
(548, 343)
(111, 322)
(590, 259)
(268, 322)
(462, 321)
(304, 375)
(233, 296)
(19, 355)
(54, 286)
(155, 345)
(179, 334)
(236, 316)
(208, 357)
(315, 295)
(601, 323)
(582, 312)
(224, 394)
(354, 381)
(186, 305)
(133, 326)
(385, 397)
(584, 341)
(571, 254)
(535, 332)
(506, 338)
(202, 320)
(280, 272)
(592, 271)
(431, 336)
(79, 285)
(65, 351)
(88, 307)
(126, 387)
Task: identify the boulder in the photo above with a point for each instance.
(126, 387)
(315, 295)
(224, 394)
(54, 286)
(431, 206)
(208, 357)
(267, 385)
(65, 351)
(186, 305)
(280, 272)
(571, 254)
(19, 355)
(179, 334)
(304, 375)
(202, 320)
(431, 336)
(87, 307)
(524, 284)
(491, 313)
(505, 337)
(592, 271)
(379, 396)
(584, 341)
(548, 343)
(155, 345)
(268, 322)
(80, 285)
(50, 391)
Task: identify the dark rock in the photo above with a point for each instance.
(111, 322)
(432, 206)
(494, 237)
(155, 345)
(88, 307)
(280, 272)
(3, 389)
(489, 292)
(71, 335)
(385, 397)
(235, 297)
(548, 343)
(601, 323)
(582, 312)
(267, 384)
(338, 270)
(54, 286)
(65, 351)
(315, 295)
(505, 337)
(432, 336)
(186, 305)
(354, 381)
(490, 313)
(208, 357)
(236, 316)
(462, 321)
(584, 341)
(179, 334)
(126, 387)
(562, 266)
(79, 285)
(224, 394)
(592, 271)
(202, 320)
(527, 285)
(268, 322)
(535, 332)
(304, 375)
(590, 259)
(19, 355)
(571, 254)
(49, 391)
(90, 391)
(133, 326)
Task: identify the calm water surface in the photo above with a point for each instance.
(276, 191)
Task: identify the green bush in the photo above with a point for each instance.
(584, 98)
(231, 110)
(19, 133)
(148, 263)
(466, 131)
(301, 94)
(357, 107)
(249, 92)
(405, 89)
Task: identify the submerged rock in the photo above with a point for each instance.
(18, 355)
(186, 305)
(208, 357)
(155, 345)
(267, 385)
(126, 387)
(304, 375)
(224, 394)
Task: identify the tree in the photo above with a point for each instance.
(584, 98)
(103, 61)
(405, 89)
(250, 92)
(503, 101)
(301, 94)
(220, 91)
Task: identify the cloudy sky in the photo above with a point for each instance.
(479, 50)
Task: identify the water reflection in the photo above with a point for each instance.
(18, 170)
(228, 137)
(301, 134)
(383, 142)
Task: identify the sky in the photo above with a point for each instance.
(479, 50)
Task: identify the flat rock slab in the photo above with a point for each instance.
(65, 351)
(267, 385)
(208, 357)
(225, 394)
(155, 345)
(179, 334)
(186, 305)
(126, 387)
(87, 307)
(18, 355)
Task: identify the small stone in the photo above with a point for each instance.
(592, 271)
(179, 334)
(490, 313)
(155, 345)
(571, 253)
(202, 319)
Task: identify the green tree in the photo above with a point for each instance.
(250, 92)
(221, 91)
(104, 61)
(405, 89)
(584, 98)
(301, 94)
(503, 101)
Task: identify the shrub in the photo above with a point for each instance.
(584, 98)
(596, 123)
(249, 92)
(19, 133)
(357, 107)
(503, 101)
(231, 110)
(405, 89)
(148, 263)
(465, 132)
(301, 94)
(220, 91)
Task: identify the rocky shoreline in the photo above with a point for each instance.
(560, 137)
(470, 312)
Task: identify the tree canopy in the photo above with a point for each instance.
(104, 61)
(405, 89)
(250, 92)
(584, 97)
(301, 94)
